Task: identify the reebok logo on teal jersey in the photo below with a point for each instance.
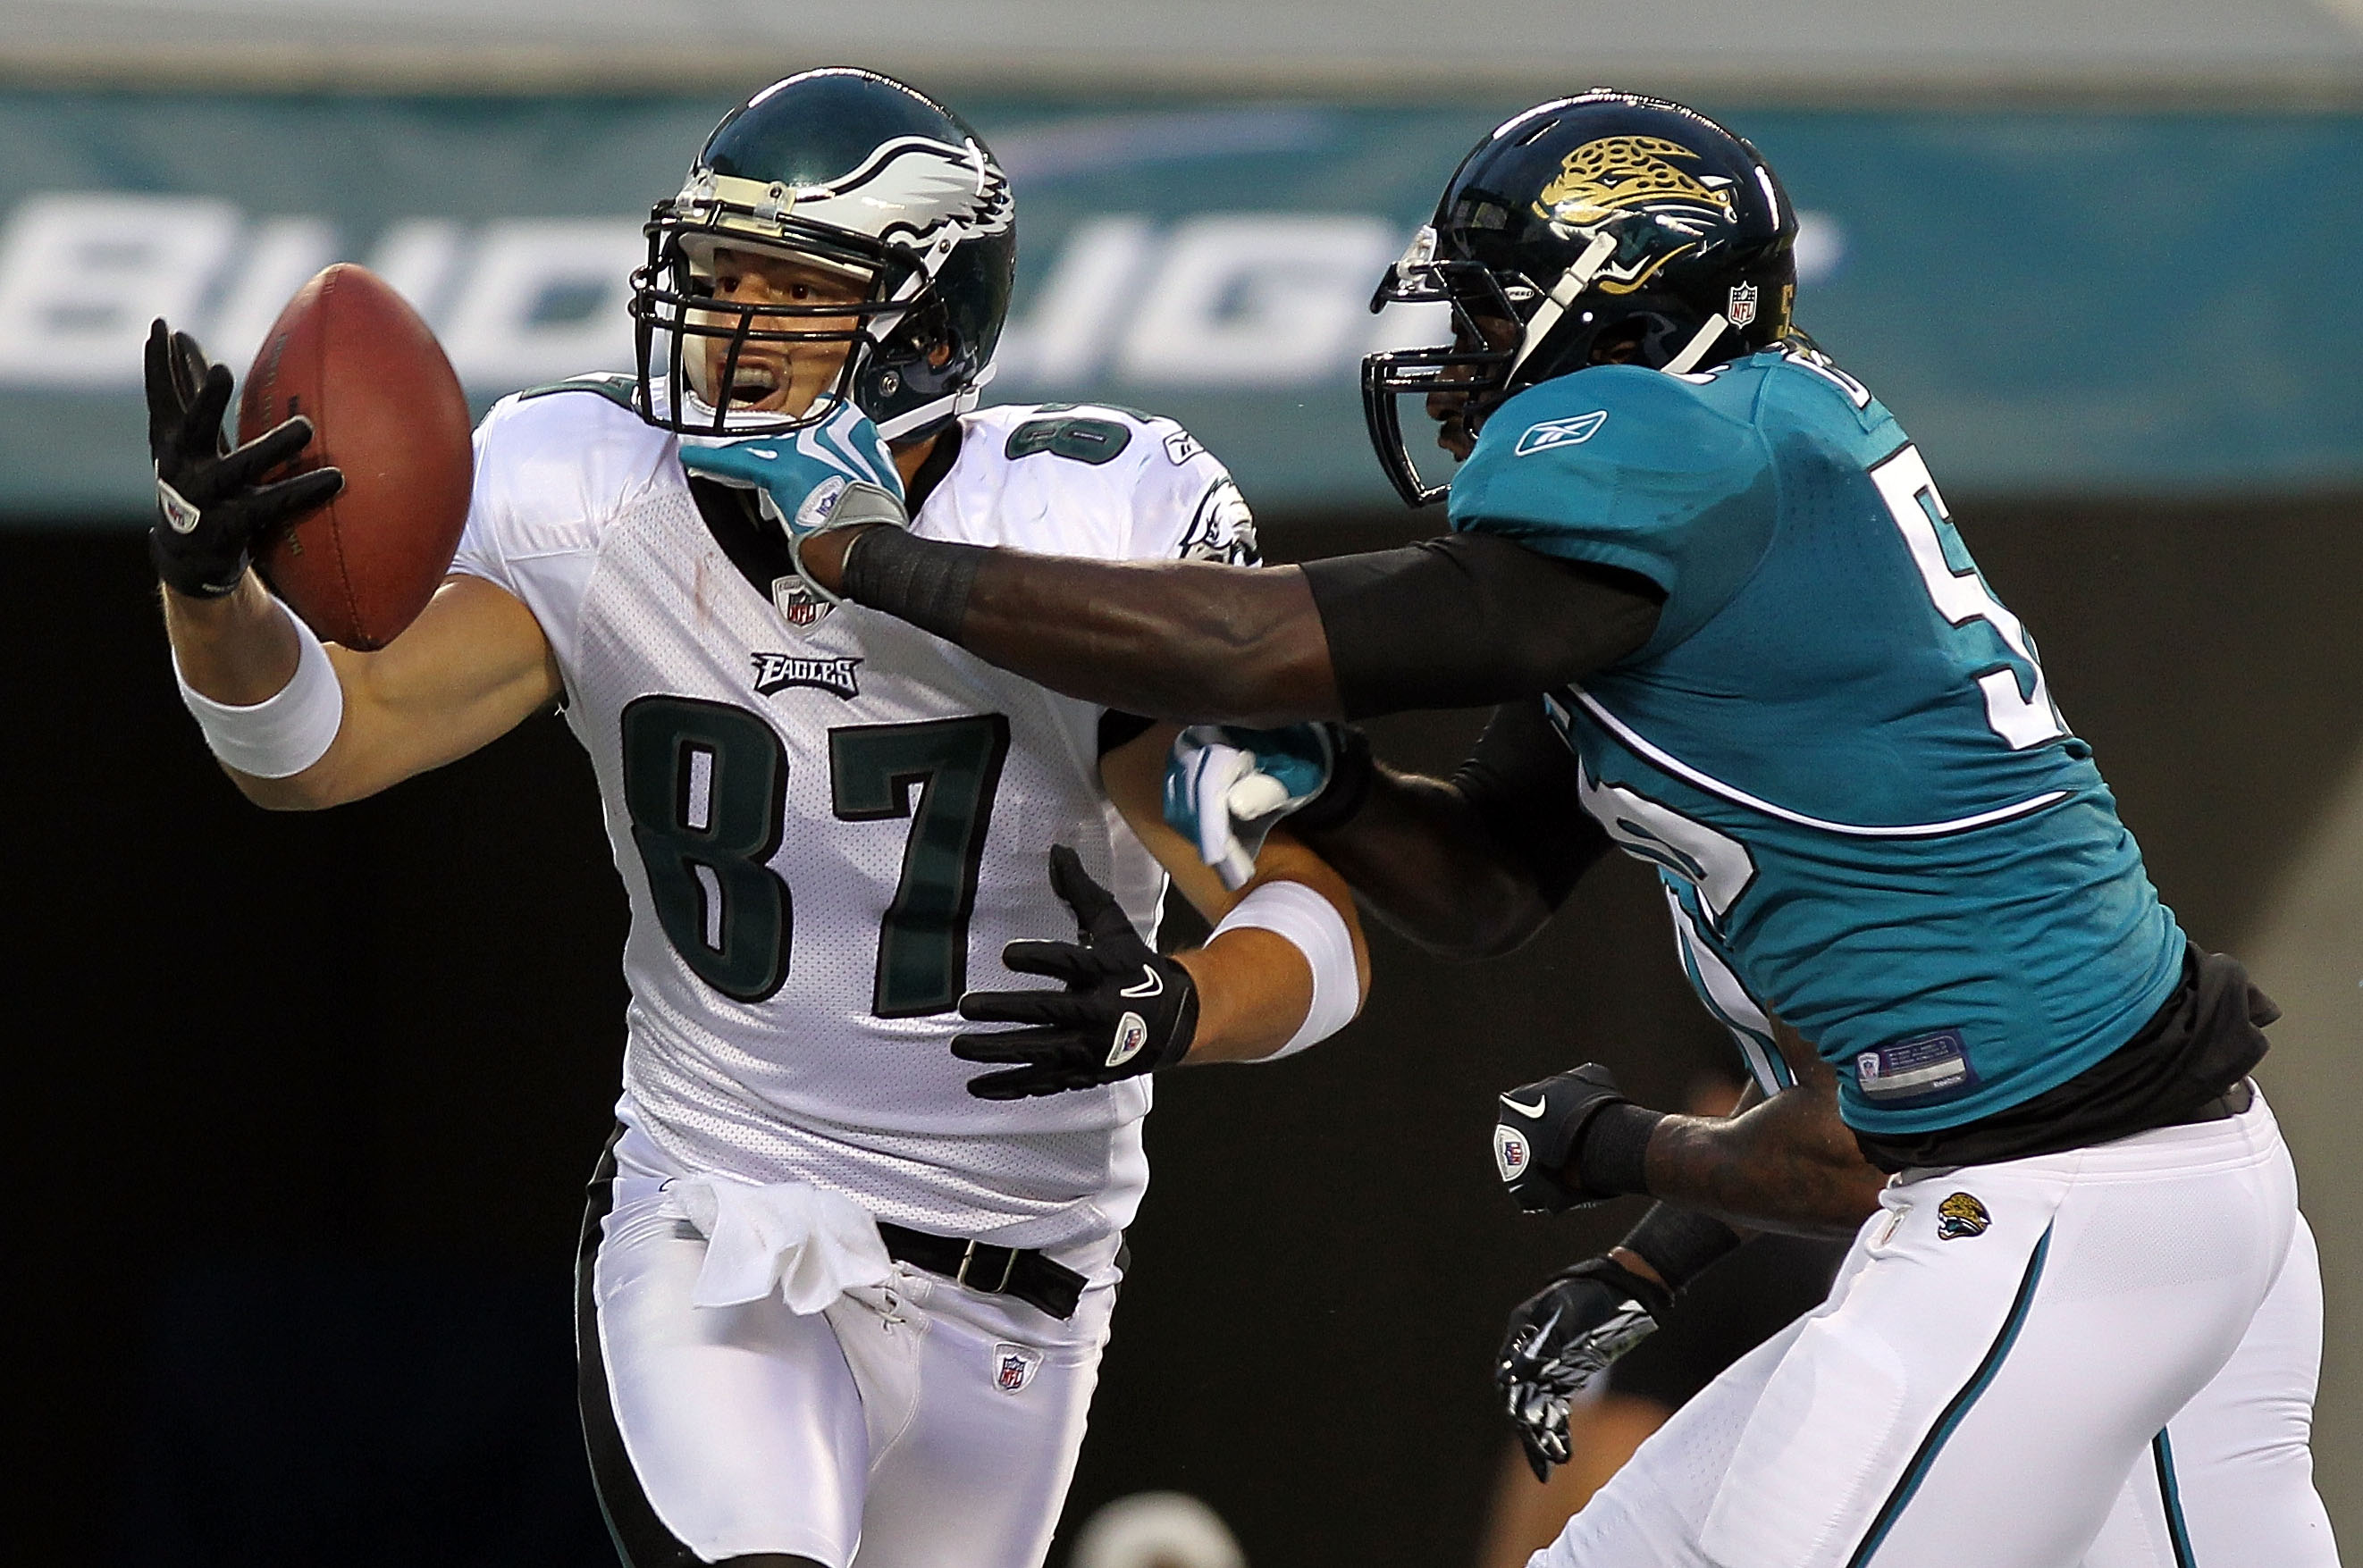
(1553, 433)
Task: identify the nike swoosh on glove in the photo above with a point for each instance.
(1122, 1009)
(1538, 1130)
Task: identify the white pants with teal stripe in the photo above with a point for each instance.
(2104, 1358)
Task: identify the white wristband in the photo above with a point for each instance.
(282, 734)
(1312, 924)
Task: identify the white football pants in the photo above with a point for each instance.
(917, 1426)
(2105, 1358)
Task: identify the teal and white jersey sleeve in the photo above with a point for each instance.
(1632, 469)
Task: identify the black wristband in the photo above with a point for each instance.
(1655, 1299)
(924, 581)
(1612, 1149)
(1679, 1242)
(1347, 790)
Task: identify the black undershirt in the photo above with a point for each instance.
(1472, 619)
(2206, 1038)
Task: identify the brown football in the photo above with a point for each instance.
(350, 354)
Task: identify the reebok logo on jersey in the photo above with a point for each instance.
(1961, 1215)
(1553, 433)
(777, 671)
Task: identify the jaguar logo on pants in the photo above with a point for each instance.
(1961, 1215)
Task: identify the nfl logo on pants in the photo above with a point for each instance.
(1014, 1366)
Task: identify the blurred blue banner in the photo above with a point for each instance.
(2053, 303)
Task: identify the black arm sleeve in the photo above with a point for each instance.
(1523, 784)
(1472, 619)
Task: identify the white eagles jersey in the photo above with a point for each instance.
(829, 822)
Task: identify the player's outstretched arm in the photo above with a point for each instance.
(468, 669)
(1463, 621)
(296, 724)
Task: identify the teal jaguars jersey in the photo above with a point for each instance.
(1837, 747)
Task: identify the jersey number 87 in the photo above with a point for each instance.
(706, 784)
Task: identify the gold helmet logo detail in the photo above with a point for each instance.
(1619, 175)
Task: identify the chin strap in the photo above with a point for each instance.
(1695, 350)
(1563, 294)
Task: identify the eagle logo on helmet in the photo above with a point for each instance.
(1618, 176)
(913, 191)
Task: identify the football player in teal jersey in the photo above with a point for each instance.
(1731, 629)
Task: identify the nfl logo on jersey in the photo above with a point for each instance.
(1741, 307)
(1014, 1367)
(798, 605)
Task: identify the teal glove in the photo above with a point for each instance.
(1225, 788)
(833, 474)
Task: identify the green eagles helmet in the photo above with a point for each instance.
(1607, 225)
(856, 174)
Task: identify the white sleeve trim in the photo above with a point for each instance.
(1312, 924)
(285, 732)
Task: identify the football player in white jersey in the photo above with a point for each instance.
(841, 1294)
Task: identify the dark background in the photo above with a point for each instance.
(302, 1105)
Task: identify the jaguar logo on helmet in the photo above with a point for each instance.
(1619, 176)
(1628, 173)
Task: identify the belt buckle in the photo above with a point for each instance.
(1008, 1267)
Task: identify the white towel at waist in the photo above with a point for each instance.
(808, 1246)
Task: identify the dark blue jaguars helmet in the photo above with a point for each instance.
(855, 173)
(1607, 225)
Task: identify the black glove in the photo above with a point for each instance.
(210, 513)
(1124, 1011)
(1577, 1124)
(1563, 1337)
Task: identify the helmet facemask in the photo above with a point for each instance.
(693, 345)
(1475, 365)
(872, 186)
